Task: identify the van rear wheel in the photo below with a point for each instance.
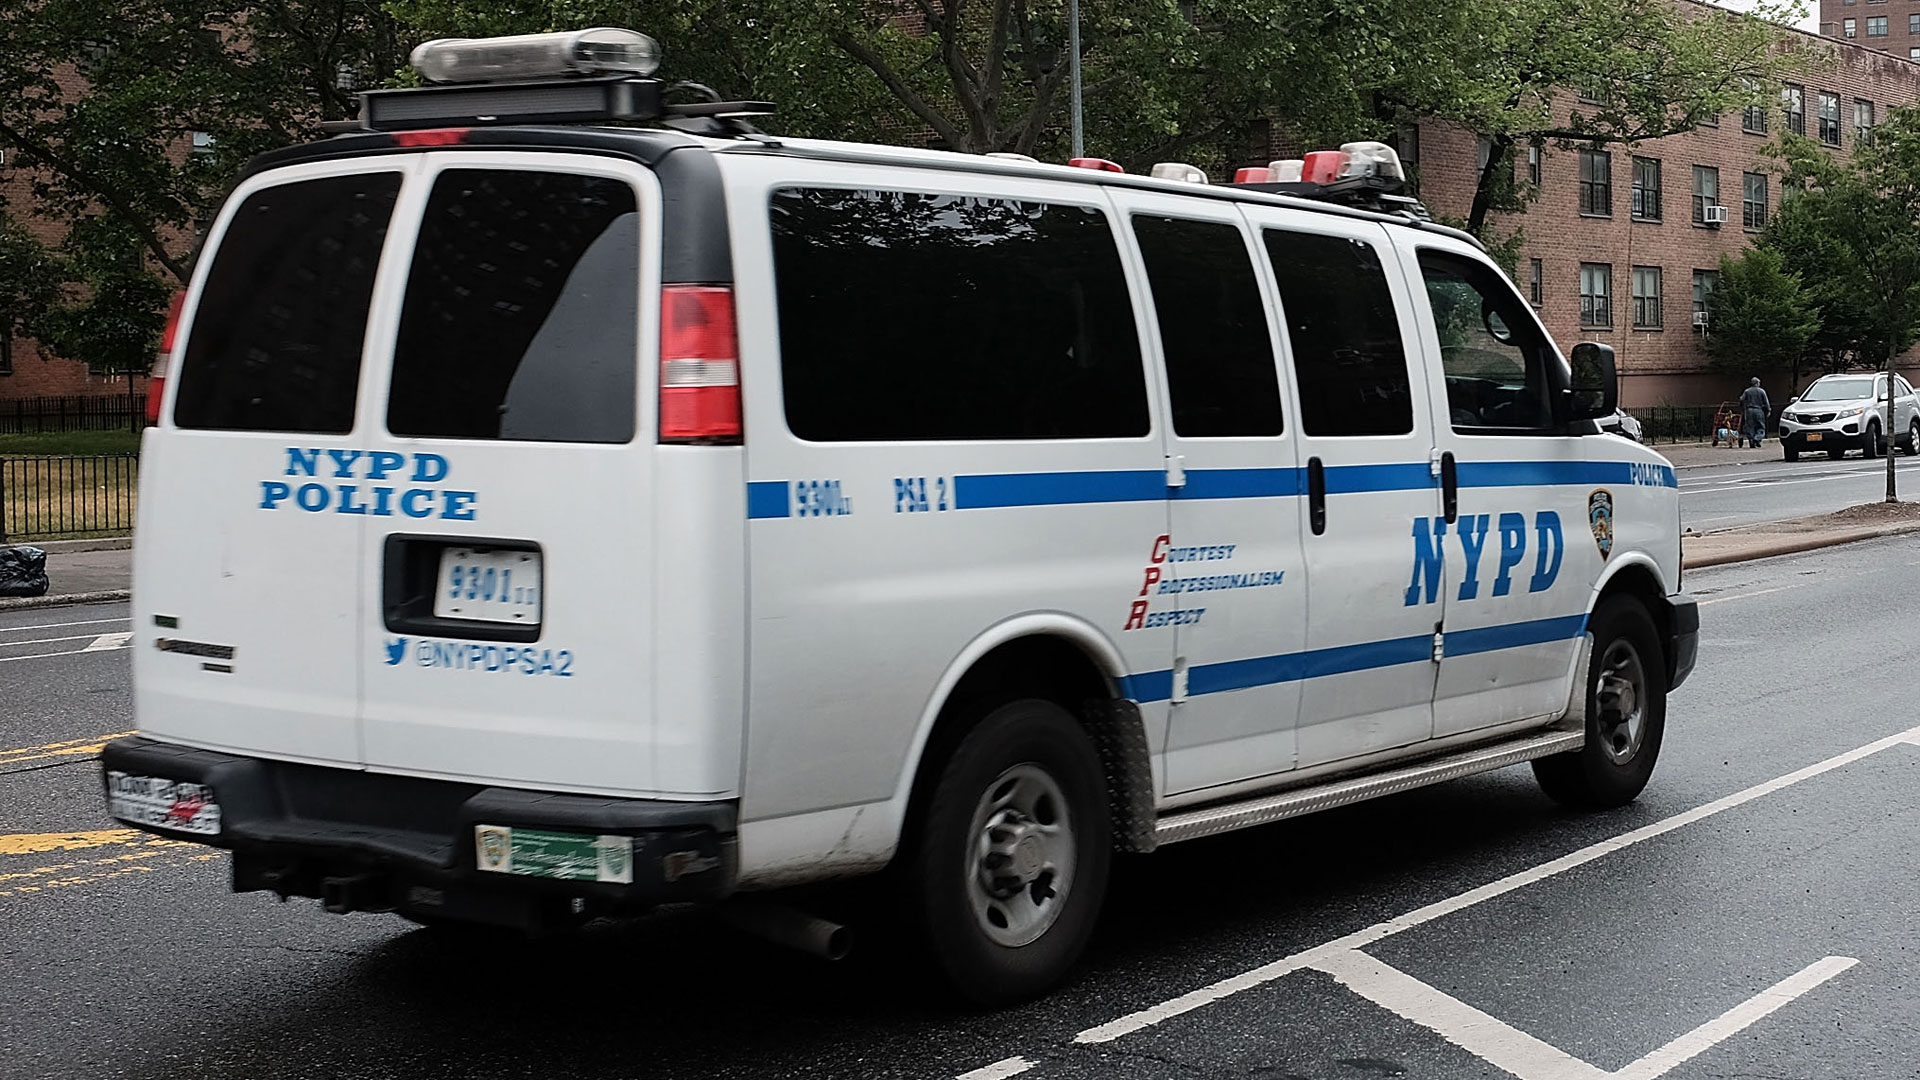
(1626, 713)
(1012, 859)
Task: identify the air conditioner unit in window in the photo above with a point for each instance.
(1714, 215)
(1700, 319)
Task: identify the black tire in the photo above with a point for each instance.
(945, 878)
(1790, 453)
(1599, 776)
(1870, 442)
(1913, 438)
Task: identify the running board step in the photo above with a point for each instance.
(1260, 810)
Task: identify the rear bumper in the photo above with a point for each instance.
(1683, 638)
(369, 842)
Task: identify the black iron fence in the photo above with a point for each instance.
(48, 415)
(58, 498)
(1690, 423)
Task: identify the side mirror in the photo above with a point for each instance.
(1793, 399)
(1594, 390)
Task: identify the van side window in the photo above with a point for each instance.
(912, 316)
(522, 309)
(1493, 353)
(1213, 327)
(276, 340)
(1344, 335)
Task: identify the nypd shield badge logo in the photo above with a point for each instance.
(1600, 520)
(493, 848)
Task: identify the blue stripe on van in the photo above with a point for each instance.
(1239, 484)
(1400, 476)
(768, 499)
(1544, 473)
(1228, 675)
(995, 490)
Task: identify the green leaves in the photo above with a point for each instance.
(1760, 315)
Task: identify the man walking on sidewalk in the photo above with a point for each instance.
(1754, 401)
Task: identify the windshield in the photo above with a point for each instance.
(1840, 389)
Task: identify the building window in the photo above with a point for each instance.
(1706, 191)
(1913, 54)
(1406, 143)
(1596, 299)
(1535, 152)
(1862, 121)
(1753, 204)
(1596, 183)
(1830, 119)
(1646, 298)
(1877, 26)
(1704, 282)
(203, 142)
(1753, 118)
(1646, 188)
(1793, 102)
(1536, 284)
(1847, 27)
(1913, 24)
(6, 343)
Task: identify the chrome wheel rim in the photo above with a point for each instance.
(1620, 702)
(1021, 860)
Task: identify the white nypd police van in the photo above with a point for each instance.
(565, 502)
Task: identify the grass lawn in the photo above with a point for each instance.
(71, 442)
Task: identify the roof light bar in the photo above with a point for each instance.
(602, 50)
(1372, 159)
(1100, 164)
(1178, 170)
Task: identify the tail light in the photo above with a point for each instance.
(699, 365)
(157, 378)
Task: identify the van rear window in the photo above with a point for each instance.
(275, 342)
(910, 316)
(521, 318)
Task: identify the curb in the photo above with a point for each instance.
(1793, 546)
(69, 547)
(21, 603)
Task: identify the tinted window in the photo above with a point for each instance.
(1345, 338)
(913, 316)
(1495, 358)
(521, 313)
(275, 345)
(1213, 327)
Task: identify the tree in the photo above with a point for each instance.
(1591, 73)
(1759, 316)
(30, 279)
(1862, 217)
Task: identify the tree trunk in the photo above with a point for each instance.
(1499, 147)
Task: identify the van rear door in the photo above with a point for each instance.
(508, 480)
(247, 592)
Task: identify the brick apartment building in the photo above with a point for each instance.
(1619, 246)
(1875, 24)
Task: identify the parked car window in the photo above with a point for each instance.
(1844, 388)
(1213, 327)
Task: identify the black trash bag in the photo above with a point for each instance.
(23, 571)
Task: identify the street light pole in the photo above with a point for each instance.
(1892, 415)
(1073, 69)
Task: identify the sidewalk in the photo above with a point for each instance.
(81, 572)
(1867, 522)
(1700, 455)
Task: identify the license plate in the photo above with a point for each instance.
(163, 804)
(489, 586)
(499, 849)
(1813, 436)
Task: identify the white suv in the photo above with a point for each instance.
(1839, 413)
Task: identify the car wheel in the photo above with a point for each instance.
(1790, 453)
(1870, 442)
(1913, 437)
(1626, 713)
(1013, 855)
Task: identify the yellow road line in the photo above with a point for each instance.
(61, 868)
(92, 879)
(71, 748)
(35, 843)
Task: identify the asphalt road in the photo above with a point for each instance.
(1766, 930)
(1716, 497)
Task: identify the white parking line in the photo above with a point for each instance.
(1744, 595)
(1334, 953)
(109, 641)
(90, 649)
(1735, 1020)
(999, 1070)
(60, 625)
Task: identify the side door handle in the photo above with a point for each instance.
(1316, 496)
(1449, 487)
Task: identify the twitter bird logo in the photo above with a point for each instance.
(396, 651)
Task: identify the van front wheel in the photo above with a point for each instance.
(1012, 860)
(1626, 713)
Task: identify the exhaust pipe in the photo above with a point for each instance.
(787, 926)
